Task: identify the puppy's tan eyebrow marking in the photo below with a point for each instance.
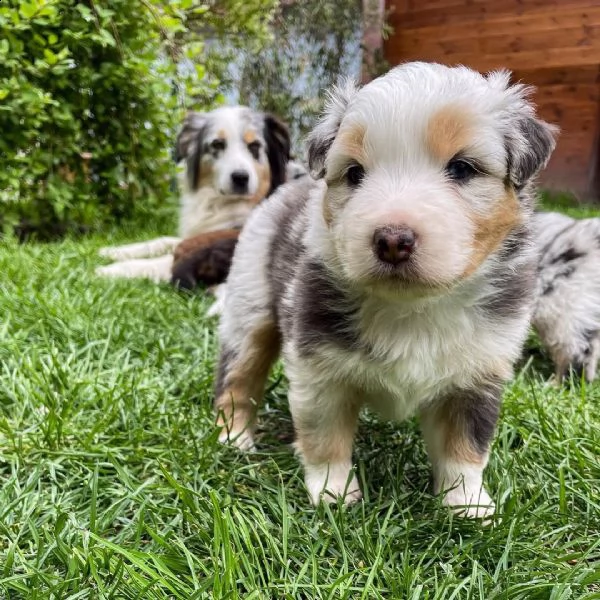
(249, 136)
(449, 132)
(350, 142)
(221, 134)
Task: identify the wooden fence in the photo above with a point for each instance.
(552, 44)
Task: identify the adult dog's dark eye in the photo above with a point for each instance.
(218, 145)
(460, 170)
(355, 174)
(254, 148)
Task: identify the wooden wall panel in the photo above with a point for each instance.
(552, 44)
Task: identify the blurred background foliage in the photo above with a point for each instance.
(91, 93)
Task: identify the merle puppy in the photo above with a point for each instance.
(402, 279)
(567, 312)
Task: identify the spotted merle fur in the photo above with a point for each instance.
(325, 312)
(286, 250)
(478, 410)
(515, 243)
(567, 310)
(527, 160)
(516, 290)
(568, 255)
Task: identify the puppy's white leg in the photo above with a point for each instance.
(325, 419)
(458, 432)
(148, 249)
(157, 269)
(592, 359)
(218, 305)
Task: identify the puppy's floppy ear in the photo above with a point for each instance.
(321, 137)
(277, 138)
(529, 140)
(193, 124)
(531, 149)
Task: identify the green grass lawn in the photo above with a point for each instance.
(113, 484)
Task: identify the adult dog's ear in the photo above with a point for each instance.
(529, 140)
(277, 138)
(321, 137)
(193, 124)
(189, 145)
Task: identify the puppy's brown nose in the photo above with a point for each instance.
(394, 244)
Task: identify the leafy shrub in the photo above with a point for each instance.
(86, 113)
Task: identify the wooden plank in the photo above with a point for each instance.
(574, 153)
(483, 11)
(589, 74)
(575, 178)
(570, 94)
(572, 163)
(548, 57)
(575, 143)
(586, 129)
(573, 37)
(421, 5)
(417, 5)
(508, 24)
(577, 183)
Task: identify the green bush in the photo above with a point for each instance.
(91, 93)
(86, 113)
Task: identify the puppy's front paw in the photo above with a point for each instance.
(218, 306)
(470, 503)
(331, 481)
(243, 440)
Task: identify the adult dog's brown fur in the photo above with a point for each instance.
(204, 258)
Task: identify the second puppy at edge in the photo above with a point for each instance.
(403, 280)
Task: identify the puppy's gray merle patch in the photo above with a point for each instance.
(326, 314)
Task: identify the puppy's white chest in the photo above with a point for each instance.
(417, 369)
(409, 360)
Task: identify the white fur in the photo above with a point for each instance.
(219, 292)
(151, 248)
(155, 269)
(460, 483)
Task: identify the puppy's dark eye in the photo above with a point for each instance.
(355, 174)
(218, 145)
(460, 170)
(254, 148)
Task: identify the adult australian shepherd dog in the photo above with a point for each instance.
(233, 157)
